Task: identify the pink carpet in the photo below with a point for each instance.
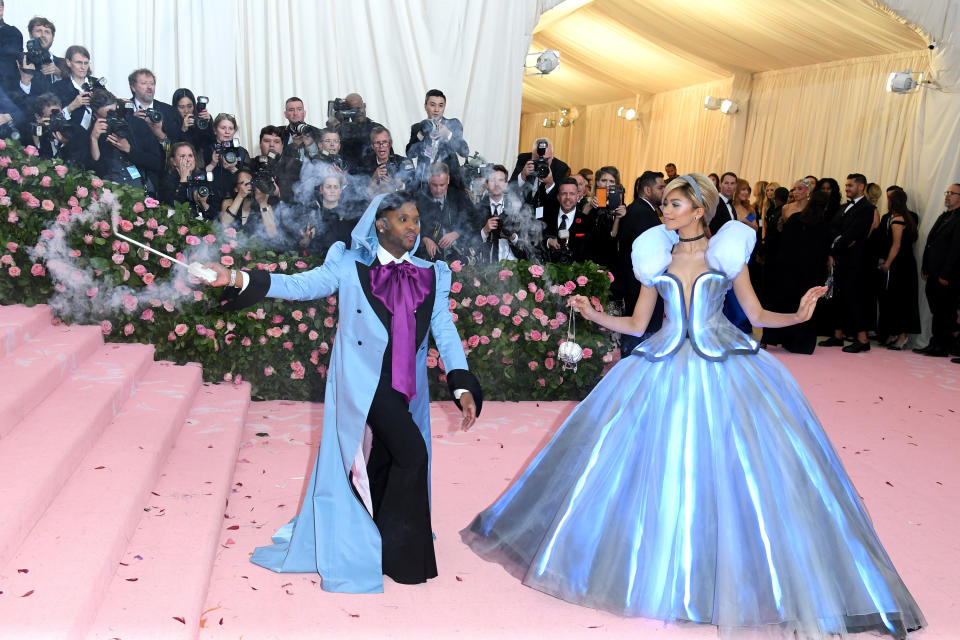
(894, 417)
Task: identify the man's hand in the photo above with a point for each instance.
(447, 239)
(553, 243)
(50, 69)
(5, 118)
(945, 283)
(223, 275)
(445, 132)
(548, 179)
(381, 173)
(527, 169)
(430, 245)
(307, 235)
(468, 407)
(25, 68)
(829, 262)
(492, 223)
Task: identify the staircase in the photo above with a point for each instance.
(114, 474)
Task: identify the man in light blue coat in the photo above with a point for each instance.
(367, 508)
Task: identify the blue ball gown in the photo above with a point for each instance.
(695, 483)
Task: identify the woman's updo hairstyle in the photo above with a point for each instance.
(704, 194)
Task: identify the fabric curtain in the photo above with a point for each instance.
(248, 56)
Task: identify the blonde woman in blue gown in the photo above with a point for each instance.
(695, 483)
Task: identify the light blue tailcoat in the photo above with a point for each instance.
(334, 534)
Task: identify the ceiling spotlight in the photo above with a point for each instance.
(549, 123)
(904, 81)
(729, 107)
(620, 112)
(547, 61)
(630, 114)
(711, 103)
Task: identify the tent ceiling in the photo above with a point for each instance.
(615, 49)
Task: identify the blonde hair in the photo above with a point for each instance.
(873, 193)
(709, 196)
(759, 194)
(741, 183)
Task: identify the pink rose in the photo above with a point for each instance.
(533, 365)
(582, 280)
(539, 295)
(129, 302)
(610, 275)
(138, 207)
(313, 335)
(548, 363)
(128, 329)
(148, 279)
(14, 271)
(246, 342)
(516, 320)
(496, 333)
(92, 292)
(147, 315)
(455, 287)
(151, 203)
(126, 225)
(505, 273)
(209, 238)
(268, 371)
(537, 312)
(96, 183)
(478, 317)
(535, 335)
(521, 295)
(535, 270)
(231, 232)
(504, 310)
(14, 175)
(226, 261)
(297, 315)
(302, 328)
(61, 170)
(541, 382)
(587, 353)
(484, 340)
(31, 150)
(288, 346)
(37, 271)
(12, 217)
(532, 286)
(82, 192)
(431, 362)
(139, 269)
(456, 266)
(300, 264)
(45, 181)
(184, 231)
(480, 300)
(507, 298)
(193, 240)
(12, 247)
(328, 322)
(106, 327)
(473, 341)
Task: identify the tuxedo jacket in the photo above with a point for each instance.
(513, 219)
(579, 225)
(447, 150)
(852, 228)
(640, 216)
(558, 168)
(721, 216)
(941, 253)
(458, 214)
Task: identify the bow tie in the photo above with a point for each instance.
(401, 287)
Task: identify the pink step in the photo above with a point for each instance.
(36, 367)
(70, 556)
(18, 321)
(41, 453)
(165, 571)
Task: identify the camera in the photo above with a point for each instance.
(202, 102)
(226, 150)
(335, 159)
(56, 124)
(92, 83)
(541, 166)
(262, 168)
(197, 187)
(609, 199)
(36, 54)
(303, 129)
(475, 167)
(340, 110)
(401, 169)
(153, 115)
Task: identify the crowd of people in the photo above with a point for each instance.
(308, 184)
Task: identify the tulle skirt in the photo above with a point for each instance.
(701, 491)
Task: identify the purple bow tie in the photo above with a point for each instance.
(401, 287)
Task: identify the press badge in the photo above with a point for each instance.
(539, 213)
(134, 173)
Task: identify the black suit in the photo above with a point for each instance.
(558, 168)
(724, 213)
(145, 154)
(457, 214)
(447, 151)
(11, 50)
(171, 119)
(853, 272)
(640, 216)
(941, 259)
(579, 226)
(512, 220)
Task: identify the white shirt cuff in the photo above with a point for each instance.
(458, 392)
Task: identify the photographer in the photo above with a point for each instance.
(194, 122)
(159, 116)
(502, 211)
(224, 158)
(287, 169)
(11, 51)
(184, 181)
(437, 139)
(388, 171)
(75, 90)
(249, 209)
(122, 147)
(327, 221)
(330, 151)
(299, 138)
(51, 132)
(349, 117)
(39, 69)
(526, 171)
(446, 218)
(568, 232)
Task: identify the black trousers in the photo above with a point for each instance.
(397, 469)
(943, 306)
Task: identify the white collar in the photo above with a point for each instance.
(649, 203)
(498, 202)
(568, 213)
(725, 199)
(856, 200)
(386, 257)
(140, 105)
(78, 87)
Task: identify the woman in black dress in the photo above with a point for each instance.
(798, 264)
(899, 302)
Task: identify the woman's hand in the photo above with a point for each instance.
(183, 170)
(594, 203)
(620, 211)
(307, 235)
(243, 190)
(808, 303)
(120, 143)
(188, 121)
(583, 305)
(82, 100)
(214, 161)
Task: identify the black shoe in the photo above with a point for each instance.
(955, 360)
(831, 342)
(937, 353)
(857, 347)
(924, 350)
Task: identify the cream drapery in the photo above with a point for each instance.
(248, 56)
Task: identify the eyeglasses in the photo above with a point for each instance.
(382, 143)
(951, 193)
